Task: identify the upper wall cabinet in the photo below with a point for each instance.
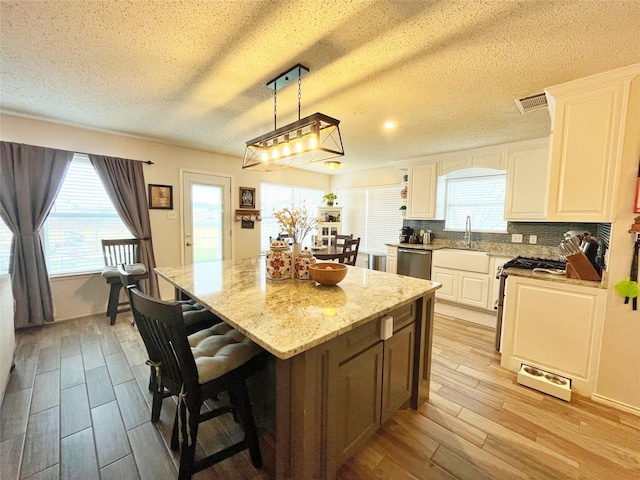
(482, 159)
(526, 196)
(588, 118)
(421, 191)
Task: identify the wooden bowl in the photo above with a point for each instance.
(328, 273)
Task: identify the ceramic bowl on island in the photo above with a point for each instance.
(328, 273)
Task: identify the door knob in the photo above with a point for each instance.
(189, 244)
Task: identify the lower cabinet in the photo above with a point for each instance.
(373, 385)
(469, 288)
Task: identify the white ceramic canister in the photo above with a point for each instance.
(302, 262)
(279, 261)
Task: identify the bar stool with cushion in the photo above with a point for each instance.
(200, 367)
(350, 251)
(116, 252)
(196, 317)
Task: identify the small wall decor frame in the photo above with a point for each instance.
(161, 196)
(636, 207)
(247, 197)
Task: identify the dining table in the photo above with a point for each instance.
(344, 358)
(328, 252)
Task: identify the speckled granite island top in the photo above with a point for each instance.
(291, 316)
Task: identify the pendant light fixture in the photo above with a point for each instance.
(311, 139)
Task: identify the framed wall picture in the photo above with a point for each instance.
(636, 207)
(247, 197)
(161, 196)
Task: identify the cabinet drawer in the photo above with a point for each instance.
(355, 341)
(403, 316)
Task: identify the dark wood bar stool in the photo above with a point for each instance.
(200, 367)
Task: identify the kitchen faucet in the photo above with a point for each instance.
(467, 231)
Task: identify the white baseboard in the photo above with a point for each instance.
(615, 404)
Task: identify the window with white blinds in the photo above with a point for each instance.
(81, 217)
(274, 196)
(480, 198)
(372, 214)
(5, 246)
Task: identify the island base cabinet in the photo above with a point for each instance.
(360, 387)
(332, 398)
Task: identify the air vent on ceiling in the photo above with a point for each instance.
(532, 102)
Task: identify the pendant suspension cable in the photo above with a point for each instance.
(275, 109)
(299, 91)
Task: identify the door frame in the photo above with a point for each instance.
(182, 207)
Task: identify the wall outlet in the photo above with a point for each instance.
(172, 215)
(386, 327)
(533, 239)
(516, 238)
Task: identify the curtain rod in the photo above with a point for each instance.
(148, 162)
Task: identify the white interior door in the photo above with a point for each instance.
(206, 217)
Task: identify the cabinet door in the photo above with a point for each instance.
(588, 119)
(556, 327)
(421, 194)
(360, 390)
(526, 197)
(392, 265)
(473, 289)
(449, 281)
(398, 371)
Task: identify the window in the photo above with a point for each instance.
(81, 217)
(5, 246)
(275, 196)
(372, 214)
(481, 198)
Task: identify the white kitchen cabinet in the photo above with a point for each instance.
(526, 195)
(421, 191)
(486, 157)
(459, 286)
(588, 118)
(554, 326)
(392, 259)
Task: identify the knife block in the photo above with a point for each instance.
(579, 266)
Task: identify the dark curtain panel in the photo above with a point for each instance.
(124, 182)
(30, 179)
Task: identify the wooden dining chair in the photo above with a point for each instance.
(199, 367)
(350, 251)
(338, 240)
(116, 252)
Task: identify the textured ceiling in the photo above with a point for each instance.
(194, 73)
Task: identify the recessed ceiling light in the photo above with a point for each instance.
(331, 164)
(389, 125)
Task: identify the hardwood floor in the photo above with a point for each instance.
(77, 406)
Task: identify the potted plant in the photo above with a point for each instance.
(330, 198)
(403, 210)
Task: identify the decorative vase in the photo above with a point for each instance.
(295, 251)
(279, 261)
(301, 265)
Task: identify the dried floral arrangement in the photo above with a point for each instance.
(296, 222)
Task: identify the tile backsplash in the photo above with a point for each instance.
(549, 234)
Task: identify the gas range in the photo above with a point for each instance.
(528, 263)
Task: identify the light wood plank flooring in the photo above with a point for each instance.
(77, 406)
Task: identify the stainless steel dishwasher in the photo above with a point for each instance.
(414, 262)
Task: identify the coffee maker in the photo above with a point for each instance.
(405, 234)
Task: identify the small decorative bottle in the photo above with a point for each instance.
(279, 261)
(302, 262)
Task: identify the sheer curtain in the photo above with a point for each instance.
(30, 178)
(124, 182)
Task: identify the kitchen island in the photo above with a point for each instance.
(335, 379)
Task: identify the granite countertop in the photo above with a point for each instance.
(492, 249)
(291, 316)
(522, 272)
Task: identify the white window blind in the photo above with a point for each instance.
(372, 214)
(5, 246)
(81, 217)
(481, 198)
(274, 196)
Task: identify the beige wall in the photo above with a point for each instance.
(367, 178)
(619, 372)
(82, 295)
